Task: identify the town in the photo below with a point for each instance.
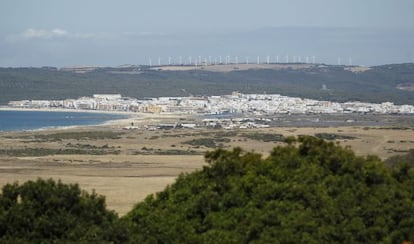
(237, 103)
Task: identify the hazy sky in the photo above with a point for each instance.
(104, 32)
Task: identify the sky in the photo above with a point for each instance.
(110, 33)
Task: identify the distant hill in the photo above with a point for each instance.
(337, 83)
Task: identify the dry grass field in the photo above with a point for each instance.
(127, 165)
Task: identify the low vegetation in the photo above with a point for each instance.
(88, 146)
(38, 152)
(214, 134)
(331, 136)
(407, 158)
(152, 151)
(60, 136)
(307, 191)
(265, 137)
(90, 135)
(206, 142)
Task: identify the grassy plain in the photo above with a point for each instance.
(127, 165)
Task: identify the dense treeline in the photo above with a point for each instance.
(378, 84)
(310, 191)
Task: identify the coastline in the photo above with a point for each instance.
(137, 118)
(6, 108)
(111, 122)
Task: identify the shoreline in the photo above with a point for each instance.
(111, 122)
(133, 114)
(131, 117)
(5, 108)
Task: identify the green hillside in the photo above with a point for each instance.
(378, 84)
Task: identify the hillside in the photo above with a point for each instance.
(338, 83)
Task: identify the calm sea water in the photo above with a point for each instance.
(33, 120)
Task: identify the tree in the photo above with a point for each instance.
(49, 211)
(310, 191)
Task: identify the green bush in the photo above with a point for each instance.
(311, 192)
(91, 135)
(206, 142)
(331, 136)
(266, 137)
(47, 211)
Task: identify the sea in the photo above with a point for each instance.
(36, 120)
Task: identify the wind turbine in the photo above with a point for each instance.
(247, 60)
(258, 59)
(150, 62)
(180, 60)
(169, 60)
(268, 59)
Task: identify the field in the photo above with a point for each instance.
(127, 165)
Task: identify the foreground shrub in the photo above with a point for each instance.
(312, 191)
(49, 211)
